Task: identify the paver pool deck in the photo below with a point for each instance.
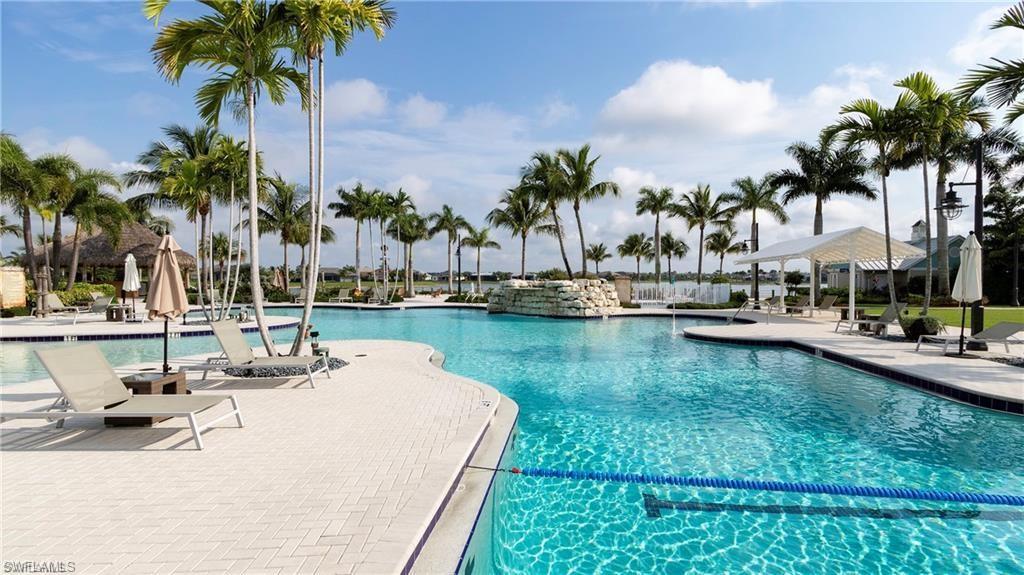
(344, 478)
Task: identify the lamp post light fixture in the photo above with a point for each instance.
(458, 255)
(750, 245)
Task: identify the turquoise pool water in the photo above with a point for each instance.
(623, 395)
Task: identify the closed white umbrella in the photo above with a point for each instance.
(167, 297)
(967, 287)
(132, 281)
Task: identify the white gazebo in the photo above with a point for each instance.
(852, 245)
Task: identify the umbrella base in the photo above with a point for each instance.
(963, 355)
(977, 346)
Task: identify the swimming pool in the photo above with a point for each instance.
(623, 395)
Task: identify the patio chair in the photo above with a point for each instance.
(1001, 332)
(238, 355)
(889, 315)
(342, 297)
(801, 304)
(91, 388)
(825, 305)
(52, 304)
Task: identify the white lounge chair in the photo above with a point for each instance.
(1001, 332)
(801, 304)
(52, 304)
(825, 305)
(238, 355)
(890, 314)
(91, 388)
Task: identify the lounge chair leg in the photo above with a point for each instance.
(327, 364)
(238, 411)
(309, 374)
(205, 371)
(195, 431)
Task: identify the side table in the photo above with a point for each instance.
(149, 384)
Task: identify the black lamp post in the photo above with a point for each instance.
(750, 245)
(458, 255)
(951, 208)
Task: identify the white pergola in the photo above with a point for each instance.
(844, 246)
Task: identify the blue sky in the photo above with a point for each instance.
(459, 94)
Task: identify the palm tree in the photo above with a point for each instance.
(354, 205)
(280, 215)
(580, 186)
(722, 242)
(480, 239)
(597, 253)
(402, 205)
(414, 229)
(699, 211)
(227, 163)
(9, 229)
(302, 239)
(240, 41)
(655, 201)
(314, 23)
(544, 178)
(866, 121)
(381, 208)
(91, 207)
(636, 246)
(521, 213)
(673, 248)
(20, 188)
(1003, 80)
(750, 196)
(159, 225)
(222, 253)
(450, 223)
(58, 173)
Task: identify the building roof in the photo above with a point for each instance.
(860, 243)
(98, 251)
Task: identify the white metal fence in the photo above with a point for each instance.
(655, 296)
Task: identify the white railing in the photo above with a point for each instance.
(666, 294)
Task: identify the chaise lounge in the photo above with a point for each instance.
(1001, 332)
(238, 355)
(890, 314)
(91, 388)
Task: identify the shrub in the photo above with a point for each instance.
(630, 305)
(916, 326)
(275, 295)
(720, 279)
(14, 312)
(738, 297)
(477, 298)
(83, 293)
(553, 274)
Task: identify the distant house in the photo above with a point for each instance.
(330, 274)
(871, 276)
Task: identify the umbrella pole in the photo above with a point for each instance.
(167, 368)
(963, 320)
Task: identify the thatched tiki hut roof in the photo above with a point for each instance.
(98, 251)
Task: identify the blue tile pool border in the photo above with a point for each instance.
(154, 335)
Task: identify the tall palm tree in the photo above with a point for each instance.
(1003, 80)
(280, 215)
(479, 239)
(227, 164)
(751, 195)
(402, 205)
(240, 41)
(544, 178)
(450, 223)
(354, 205)
(722, 242)
(414, 229)
(58, 175)
(302, 238)
(866, 121)
(20, 188)
(700, 210)
(581, 186)
(223, 251)
(91, 207)
(597, 253)
(381, 208)
(673, 248)
(636, 246)
(158, 224)
(655, 202)
(521, 213)
(314, 23)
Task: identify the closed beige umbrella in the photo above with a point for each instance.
(167, 297)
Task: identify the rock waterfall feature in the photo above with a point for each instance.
(561, 298)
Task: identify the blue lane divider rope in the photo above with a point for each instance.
(784, 486)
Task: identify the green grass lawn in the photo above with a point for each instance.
(951, 315)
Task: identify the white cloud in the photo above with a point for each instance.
(348, 100)
(981, 43)
(418, 188)
(38, 142)
(122, 167)
(419, 112)
(149, 104)
(630, 180)
(556, 110)
(679, 97)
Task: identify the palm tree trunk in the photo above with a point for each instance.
(700, 256)
(819, 228)
(479, 284)
(238, 260)
(942, 234)
(583, 245)
(888, 238)
(753, 266)
(226, 273)
(199, 264)
(309, 274)
(209, 253)
(384, 260)
(56, 240)
(657, 249)
(26, 235)
(359, 244)
(73, 268)
(637, 269)
(412, 274)
(450, 262)
(46, 253)
(408, 269)
(254, 238)
(522, 260)
(670, 268)
(721, 263)
(561, 242)
(927, 238)
(287, 275)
